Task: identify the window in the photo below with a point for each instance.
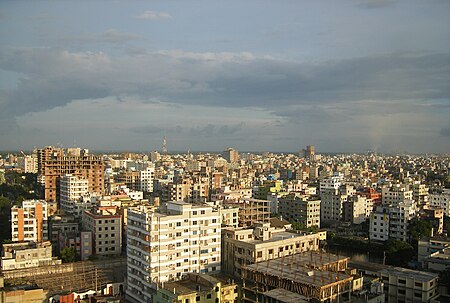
(259, 254)
(202, 212)
(197, 299)
(194, 222)
(195, 213)
(208, 296)
(178, 223)
(401, 281)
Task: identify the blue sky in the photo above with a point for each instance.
(346, 76)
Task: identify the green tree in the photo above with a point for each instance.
(418, 229)
(5, 217)
(398, 253)
(444, 278)
(68, 255)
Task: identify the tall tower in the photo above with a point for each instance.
(164, 146)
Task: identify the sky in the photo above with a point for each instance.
(345, 76)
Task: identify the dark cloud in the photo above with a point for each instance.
(53, 77)
(445, 132)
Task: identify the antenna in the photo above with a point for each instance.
(164, 145)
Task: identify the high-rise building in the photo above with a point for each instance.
(165, 244)
(29, 222)
(53, 163)
(72, 188)
(231, 155)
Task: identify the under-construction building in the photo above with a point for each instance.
(53, 163)
(251, 211)
(304, 277)
(244, 246)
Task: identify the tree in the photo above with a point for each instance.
(444, 278)
(68, 255)
(418, 229)
(5, 217)
(398, 253)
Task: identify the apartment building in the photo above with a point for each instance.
(406, 285)
(246, 246)
(357, 209)
(146, 177)
(71, 189)
(61, 224)
(332, 201)
(167, 243)
(391, 221)
(29, 222)
(53, 163)
(441, 200)
(420, 193)
(105, 224)
(396, 194)
(300, 208)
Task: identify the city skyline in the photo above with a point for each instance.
(351, 76)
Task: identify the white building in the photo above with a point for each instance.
(333, 182)
(357, 209)
(146, 177)
(26, 255)
(396, 194)
(441, 200)
(165, 244)
(332, 202)
(71, 189)
(391, 221)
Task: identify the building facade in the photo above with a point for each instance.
(167, 243)
(29, 222)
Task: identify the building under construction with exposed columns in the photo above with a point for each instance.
(304, 277)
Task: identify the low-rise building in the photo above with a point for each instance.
(302, 209)
(26, 255)
(408, 285)
(246, 246)
(201, 288)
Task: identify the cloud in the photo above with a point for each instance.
(373, 4)
(204, 130)
(445, 132)
(111, 36)
(330, 90)
(153, 15)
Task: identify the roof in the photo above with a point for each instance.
(286, 296)
(409, 273)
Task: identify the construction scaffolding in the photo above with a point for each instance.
(71, 277)
(310, 274)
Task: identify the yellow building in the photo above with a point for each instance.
(198, 288)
